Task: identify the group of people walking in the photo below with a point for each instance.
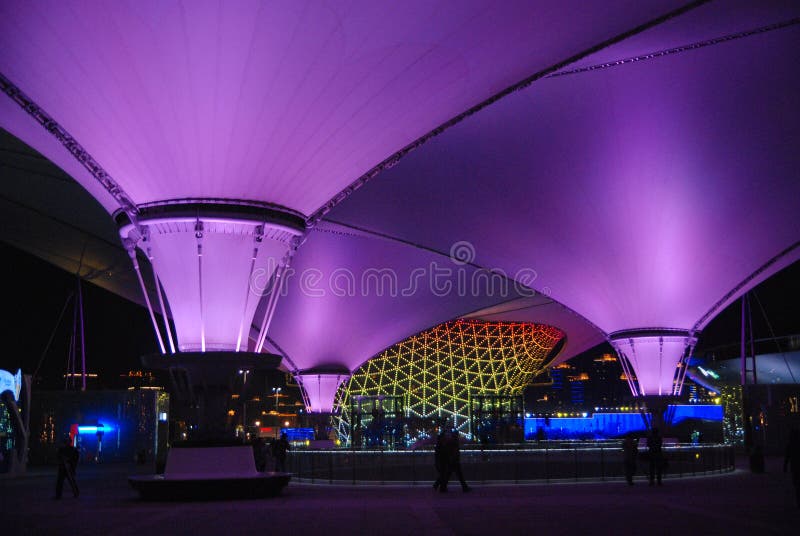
(447, 460)
(277, 450)
(655, 456)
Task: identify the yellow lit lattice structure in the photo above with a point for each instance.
(436, 372)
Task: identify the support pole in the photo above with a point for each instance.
(681, 375)
(752, 337)
(198, 233)
(742, 347)
(82, 332)
(270, 310)
(52, 335)
(258, 237)
(160, 300)
(164, 316)
(132, 254)
(69, 381)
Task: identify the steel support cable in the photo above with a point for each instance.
(275, 289)
(772, 333)
(258, 237)
(52, 335)
(198, 233)
(80, 314)
(164, 316)
(132, 253)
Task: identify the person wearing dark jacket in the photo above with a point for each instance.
(792, 460)
(630, 450)
(440, 462)
(279, 450)
(453, 456)
(67, 463)
(656, 456)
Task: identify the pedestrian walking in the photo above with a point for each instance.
(279, 451)
(655, 455)
(792, 461)
(630, 451)
(67, 464)
(453, 455)
(440, 462)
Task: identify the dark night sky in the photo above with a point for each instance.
(118, 332)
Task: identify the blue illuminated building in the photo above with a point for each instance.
(602, 425)
(298, 434)
(105, 425)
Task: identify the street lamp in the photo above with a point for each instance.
(277, 391)
(244, 404)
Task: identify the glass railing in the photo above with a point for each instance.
(554, 461)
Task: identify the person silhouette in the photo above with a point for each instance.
(656, 455)
(67, 463)
(453, 455)
(792, 461)
(279, 450)
(630, 450)
(440, 462)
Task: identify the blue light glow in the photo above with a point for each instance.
(708, 372)
(709, 412)
(94, 429)
(600, 425)
(298, 434)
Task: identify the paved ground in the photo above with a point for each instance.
(734, 503)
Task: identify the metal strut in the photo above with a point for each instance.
(747, 319)
(164, 317)
(198, 233)
(684, 365)
(661, 363)
(82, 334)
(271, 304)
(635, 366)
(275, 289)
(132, 253)
(626, 368)
(258, 238)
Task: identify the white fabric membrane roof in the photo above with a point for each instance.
(643, 195)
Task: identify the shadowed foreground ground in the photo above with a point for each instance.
(734, 503)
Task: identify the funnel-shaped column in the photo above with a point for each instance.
(215, 261)
(653, 359)
(320, 385)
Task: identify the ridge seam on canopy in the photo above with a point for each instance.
(384, 236)
(679, 49)
(738, 288)
(395, 158)
(71, 144)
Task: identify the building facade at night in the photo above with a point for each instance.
(106, 426)
(430, 380)
(304, 187)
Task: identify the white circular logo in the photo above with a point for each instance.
(462, 252)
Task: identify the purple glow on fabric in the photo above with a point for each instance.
(711, 20)
(641, 195)
(287, 103)
(321, 390)
(654, 360)
(227, 282)
(580, 335)
(316, 324)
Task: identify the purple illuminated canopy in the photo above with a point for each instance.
(645, 178)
